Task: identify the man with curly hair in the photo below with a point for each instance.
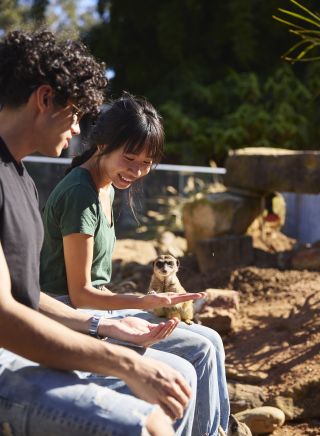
(54, 377)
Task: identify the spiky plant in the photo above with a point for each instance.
(308, 30)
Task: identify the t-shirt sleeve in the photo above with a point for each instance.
(78, 211)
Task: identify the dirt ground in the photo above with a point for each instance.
(277, 328)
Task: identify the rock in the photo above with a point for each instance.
(129, 250)
(301, 402)
(267, 170)
(306, 258)
(224, 251)
(218, 319)
(219, 213)
(168, 243)
(244, 396)
(263, 419)
(246, 377)
(222, 298)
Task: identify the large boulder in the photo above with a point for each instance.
(219, 213)
(227, 251)
(267, 170)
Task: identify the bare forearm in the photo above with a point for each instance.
(38, 338)
(90, 297)
(64, 314)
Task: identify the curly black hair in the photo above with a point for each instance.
(31, 59)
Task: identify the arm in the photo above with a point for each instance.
(129, 329)
(78, 255)
(34, 336)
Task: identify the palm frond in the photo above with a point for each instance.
(309, 37)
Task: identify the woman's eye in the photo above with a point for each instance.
(129, 158)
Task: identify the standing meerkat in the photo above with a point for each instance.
(164, 279)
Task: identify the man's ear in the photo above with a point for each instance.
(178, 263)
(44, 96)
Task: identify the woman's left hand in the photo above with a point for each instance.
(136, 330)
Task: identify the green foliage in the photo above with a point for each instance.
(212, 68)
(241, 111)
(12, 14)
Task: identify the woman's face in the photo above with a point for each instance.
(122, 169)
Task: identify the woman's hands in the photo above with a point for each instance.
(165, 299)
(136, 330)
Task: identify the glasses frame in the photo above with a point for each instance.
(77, 113)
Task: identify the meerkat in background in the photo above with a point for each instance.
(164, 279)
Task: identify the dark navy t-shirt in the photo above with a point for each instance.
(21, 230)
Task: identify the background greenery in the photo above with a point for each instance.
(212, 68)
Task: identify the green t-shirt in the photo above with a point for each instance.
(74, 207)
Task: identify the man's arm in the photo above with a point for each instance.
(36, 337)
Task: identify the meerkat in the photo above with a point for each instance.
(164, 279)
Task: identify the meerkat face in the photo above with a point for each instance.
(165, 265)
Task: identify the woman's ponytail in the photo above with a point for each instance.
(82, 158)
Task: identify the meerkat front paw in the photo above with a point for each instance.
(188, 321)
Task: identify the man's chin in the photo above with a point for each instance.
(55, 152)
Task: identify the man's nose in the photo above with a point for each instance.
(75, 127)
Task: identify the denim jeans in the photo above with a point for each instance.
(37, 401)
(203, 348)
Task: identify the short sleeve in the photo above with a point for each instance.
(78, 211)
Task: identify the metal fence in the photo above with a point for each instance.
(47, 172)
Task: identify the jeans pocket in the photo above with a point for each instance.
(13, 418)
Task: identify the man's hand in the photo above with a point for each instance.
(158, 383)
(165, 299)
(136, 330)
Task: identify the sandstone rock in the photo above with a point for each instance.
(219, 213)
(271, 169)
(222, 298)
(169, 243)
(244, 396)
(301, 402)
(306, 258)
(262, 420)
(224, 251)
(246, 377)
(218, 319)
(129, 250)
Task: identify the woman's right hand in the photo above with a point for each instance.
(158, 383)
(167, 299)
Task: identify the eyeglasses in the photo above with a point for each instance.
(77, 113)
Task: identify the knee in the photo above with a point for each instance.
(187, 370)
(215, 340)
(158, 423)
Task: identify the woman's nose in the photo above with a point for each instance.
(136, 169)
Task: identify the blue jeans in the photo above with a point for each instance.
(203, 348)
(37, 401)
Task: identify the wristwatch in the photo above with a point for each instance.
(94, 325)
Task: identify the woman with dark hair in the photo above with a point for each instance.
(76, 259)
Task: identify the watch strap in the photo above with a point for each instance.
(94, 325)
